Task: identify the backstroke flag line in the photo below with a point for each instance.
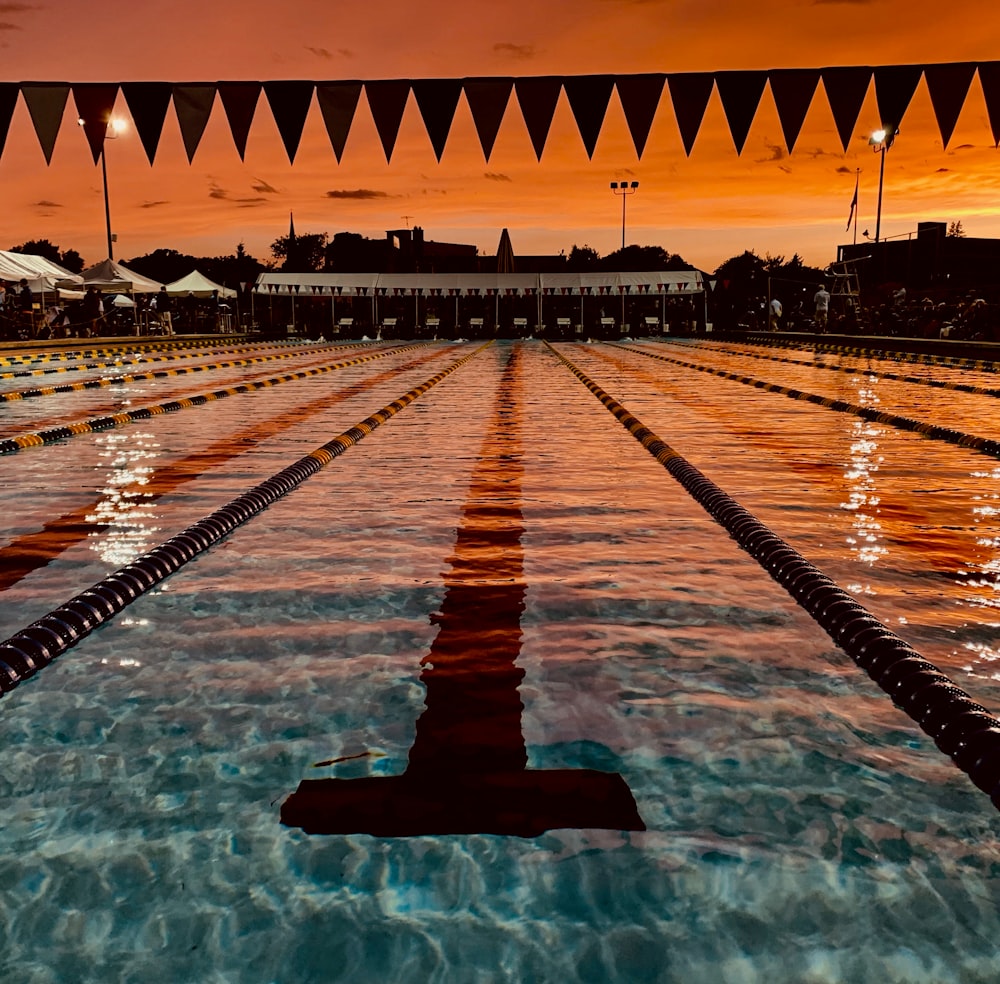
(854, 201)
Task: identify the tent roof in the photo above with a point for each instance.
(198, 284)
(354, 284)
(40, 273)
(109, 275)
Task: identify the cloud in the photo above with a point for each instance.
(219, 193)
(522, 52)
(943, 170)
(358, 194)
(5, 26)
(844, 169)
(497, 176)
(249, 202)
(263, 187)
(777, 154)
(17, 8)
(153, 204)
(45, 203)
(319, 52)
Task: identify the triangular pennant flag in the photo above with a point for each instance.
(289, 102)
(640, 96)
(948, 86)
(338, 102)
(487, 99)
(588, 97)
(239, 100)
(793, 90)
(46, 102)
(148, 103)
(387, 100)
(846, 89)
(740, 93)
(437, 100)
(193, 106)
(894, 88)
(989, 78)
(537, 96)
(95, 102)
(8, 100)
(689, 93)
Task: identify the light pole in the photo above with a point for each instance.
(881, 140)
(115, 127)
(624, 189)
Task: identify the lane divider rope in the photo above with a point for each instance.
(132, 377)
(925, 358)
(935, 431)
(55, 434)
(960, 726)
(126, 359)
(856, 371)
(32, 648)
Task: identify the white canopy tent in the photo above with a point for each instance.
(112, 277)
(198, 284)
(41, 273)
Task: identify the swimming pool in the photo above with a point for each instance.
(500, 581)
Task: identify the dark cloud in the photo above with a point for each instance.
(17, 8)
(777, 153)
(520, 51)
(319, 52)
(359, 194)
(45, 203)
(263, 187)
(785, 168)
(153, 204)
(219, 193)
(497, 176)
(249, 202)
(4, 26)
(943, 170)
(844, 169)
(964, 147)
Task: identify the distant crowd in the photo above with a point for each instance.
(966, 318)
(25, 316)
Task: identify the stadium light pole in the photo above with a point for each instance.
(881, 140)
(623, 189)
(115, 127)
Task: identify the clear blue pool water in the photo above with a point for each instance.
(798, 827)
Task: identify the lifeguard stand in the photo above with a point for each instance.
(845, 293)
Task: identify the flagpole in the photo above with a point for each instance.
(857, 179)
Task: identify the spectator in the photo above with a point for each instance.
(822, 301)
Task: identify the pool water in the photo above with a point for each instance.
(559, 727)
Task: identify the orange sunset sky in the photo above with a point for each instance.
(706, 207)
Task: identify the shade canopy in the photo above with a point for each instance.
(109, 276)
(198, 284)
(41, 273)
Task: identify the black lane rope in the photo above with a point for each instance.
(986, 445)
(139, 344)
(126, 359)
(962, 728)
(106, 381)
(54, 434)
(33, 648)
(924, 358)
(856, 371)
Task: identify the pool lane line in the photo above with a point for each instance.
(857, 371)
(923, 358)
(986, 445)
(32, 648)
(30, 551)
(961, 727)
(53, 435)
(106, 381)
(143, 343)
(171, 357)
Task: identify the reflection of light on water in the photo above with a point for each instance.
(985, 512)
(867, 542)
(124, 511)
(124, 661)
(982, 658)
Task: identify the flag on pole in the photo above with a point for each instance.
(854, 202)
